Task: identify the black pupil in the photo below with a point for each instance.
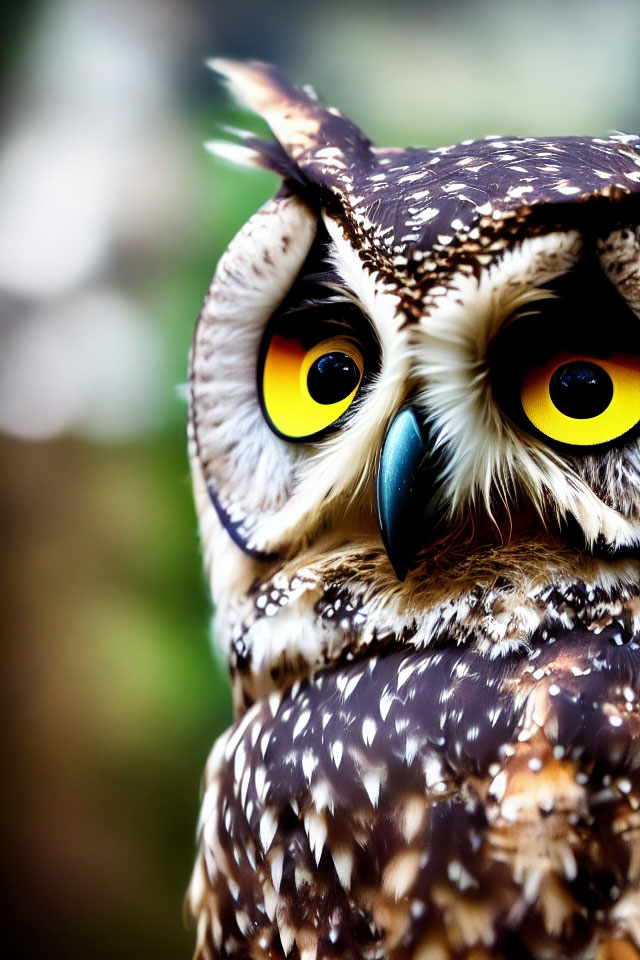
(332, 377)
(580, 389)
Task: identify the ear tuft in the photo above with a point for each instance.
(303, 126)
(235, 153)
(254, 153)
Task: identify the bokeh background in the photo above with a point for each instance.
(111, 219)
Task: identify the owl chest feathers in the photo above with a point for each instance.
(436, 797)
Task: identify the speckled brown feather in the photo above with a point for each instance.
(445, 768)
(418, 213)
(410, 797)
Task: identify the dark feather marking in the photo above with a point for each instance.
(234, 529)
(274, 158)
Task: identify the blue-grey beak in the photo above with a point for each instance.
(409, 480)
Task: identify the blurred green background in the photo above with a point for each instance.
(111, 220)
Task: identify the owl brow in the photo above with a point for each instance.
(313, 302)
(328, 278)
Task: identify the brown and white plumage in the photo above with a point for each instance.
(436, 746)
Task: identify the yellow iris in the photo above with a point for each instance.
(620, 414)
(288, 403)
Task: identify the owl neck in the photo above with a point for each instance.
(507, 605)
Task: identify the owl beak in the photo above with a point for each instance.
(409, 481)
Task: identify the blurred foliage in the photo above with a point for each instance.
(114, 698)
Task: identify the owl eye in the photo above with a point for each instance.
(581, 400)
(305, 389)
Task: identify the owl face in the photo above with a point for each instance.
(415, 399)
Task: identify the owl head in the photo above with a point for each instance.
(415, 392)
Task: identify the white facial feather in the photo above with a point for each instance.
(488, 457)
(250, 469)
(619, 256)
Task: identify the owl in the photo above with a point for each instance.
(415, 440)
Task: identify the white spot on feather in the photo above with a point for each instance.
(268, 827)
(309, 763)
(301, 723)
(404, 674)
(315, 827)
(386, 701)
(351, 685)
(410, 749)
(287, 934)
(259, 779)
(343, 862)
(336, 751)
(369, 728)
(277, 862)
(372, 781)
(460, 876)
